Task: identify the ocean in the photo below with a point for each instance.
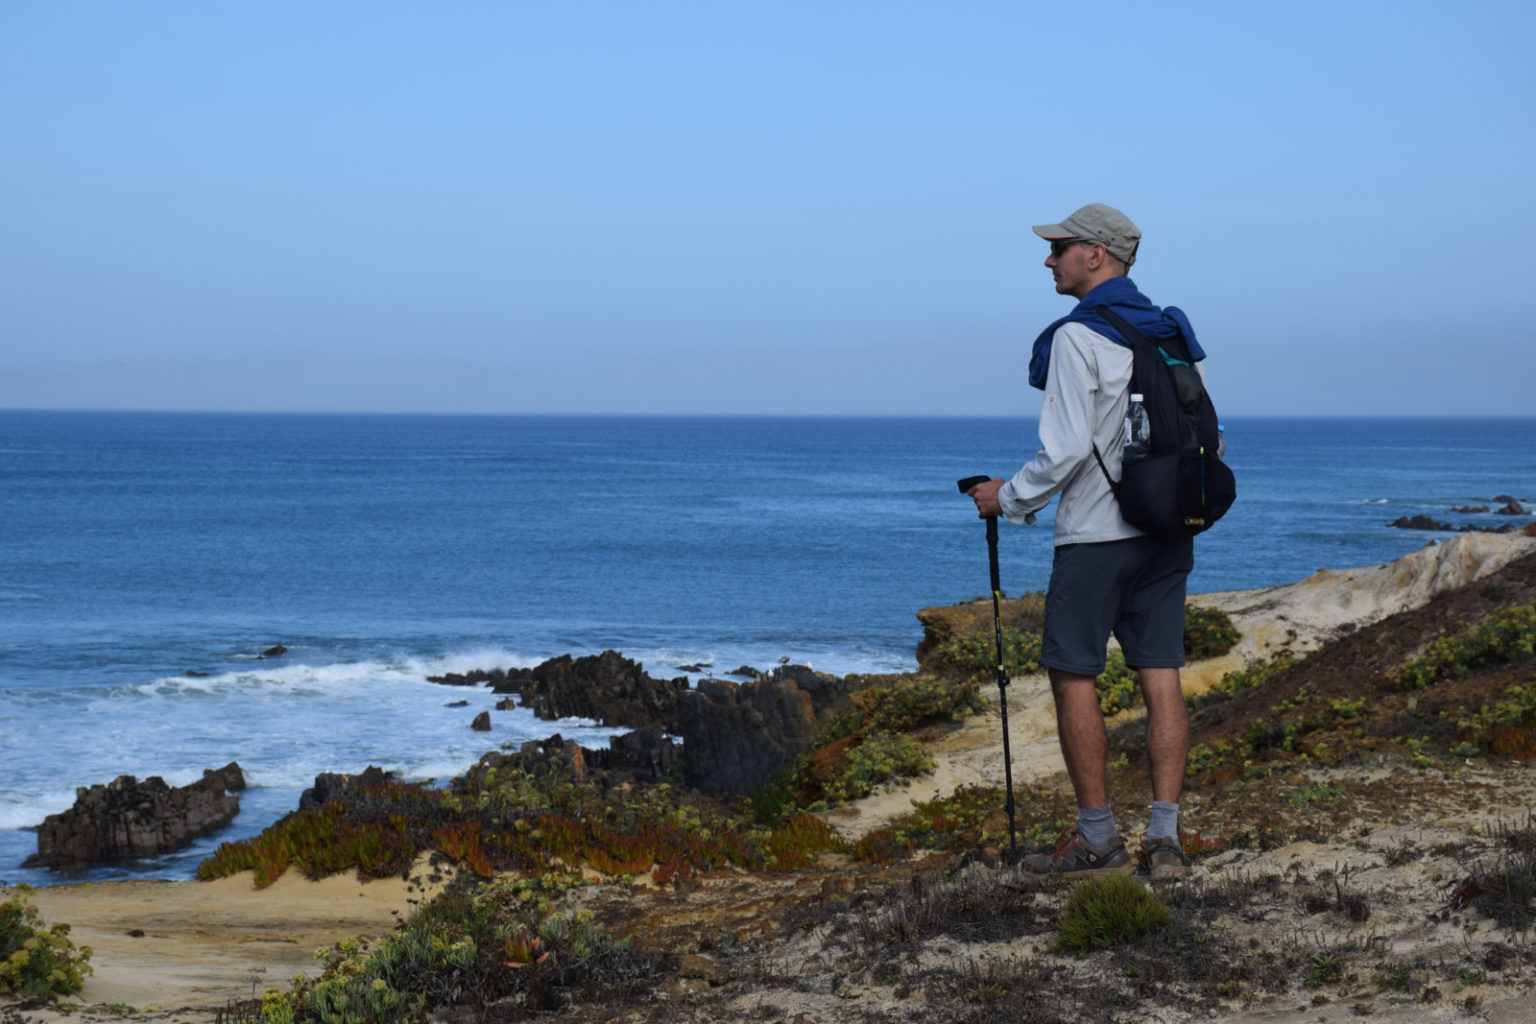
(148, 559)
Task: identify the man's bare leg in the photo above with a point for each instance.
(1084, 741)
(1096, 847)
(1167, 731)
(1168, 750)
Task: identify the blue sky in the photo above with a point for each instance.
(755, 208)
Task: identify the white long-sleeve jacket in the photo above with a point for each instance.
(1087, 391)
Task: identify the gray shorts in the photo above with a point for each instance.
(1133, 588)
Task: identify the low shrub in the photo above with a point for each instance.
(973, 655)
(461, 949)
(1506, 637)
(37, 959)
(1506, 727)
(1105, 912)
(1117, 686)
(882, 758)
(1256, 675)
(1208, 633)
(975, 816)
(912, 701)
(1505, 888)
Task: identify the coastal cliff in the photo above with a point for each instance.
(1360, 822)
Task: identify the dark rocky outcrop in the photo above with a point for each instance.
(482, 722)
(645, 756)
(736, 736)
(1511, 508)
(127, 819)
(607, 688)
(334, 785)
(722, 738)
(274, 652)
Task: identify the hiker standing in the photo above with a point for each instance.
(1106, 575)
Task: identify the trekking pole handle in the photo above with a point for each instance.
(971, 481)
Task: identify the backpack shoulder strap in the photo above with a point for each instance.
(1121, 324)
(1174, 347)
(1135, 337)
(1114, 485)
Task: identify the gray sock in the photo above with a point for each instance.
(1097, 826)
(1165, 821)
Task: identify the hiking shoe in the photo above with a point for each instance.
(1164, 858)
(1074, 858)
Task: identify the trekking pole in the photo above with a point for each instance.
(1002, 673)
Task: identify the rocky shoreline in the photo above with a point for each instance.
(1363, 856)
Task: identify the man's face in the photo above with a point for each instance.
(1068, 263)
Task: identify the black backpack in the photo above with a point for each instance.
(1180, 487)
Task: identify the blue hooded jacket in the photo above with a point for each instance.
(1121, 295)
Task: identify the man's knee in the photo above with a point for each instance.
(1160, 688)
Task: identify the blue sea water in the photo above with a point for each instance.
(136, 547)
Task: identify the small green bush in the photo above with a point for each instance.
(912, 701)
(468, 949)
(36, 959)
(1504, 727)
(1117, 686)
(1208, 633)
(883, 757)
(974, 654)
(1104, 912)
(1506, 637)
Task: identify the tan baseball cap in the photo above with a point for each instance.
(1098, 223)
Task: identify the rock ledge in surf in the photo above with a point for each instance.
(128, 819)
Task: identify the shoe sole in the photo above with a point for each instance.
(1164, 872)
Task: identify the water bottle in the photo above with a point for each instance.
(1221, 441)
(1138, 432)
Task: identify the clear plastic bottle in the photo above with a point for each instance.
(1138, 432)
(1221, 441)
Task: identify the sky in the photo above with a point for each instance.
(730, 207)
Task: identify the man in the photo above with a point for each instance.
(1106, 575)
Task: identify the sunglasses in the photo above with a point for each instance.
(1060, 245)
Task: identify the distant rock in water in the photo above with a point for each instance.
(1420, 522)
(482, 722)
(1423, 522)
(274, 652)
(127, 819)
(1511, 508)
(1472, 510)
